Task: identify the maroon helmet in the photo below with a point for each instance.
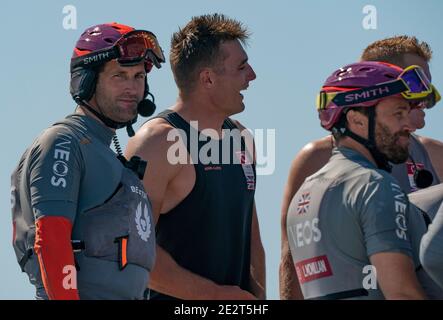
(105, 42)
(353, 78)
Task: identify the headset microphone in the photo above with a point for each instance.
(146, 107)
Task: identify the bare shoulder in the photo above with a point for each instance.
(431, 143)
(435, 151)
(152, 131)
(152, 143)
(324, 144)
(152, 136)
(308, 160)
(318, 150)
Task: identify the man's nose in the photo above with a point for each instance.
(251, 75)
(415, 117)
(131, 86)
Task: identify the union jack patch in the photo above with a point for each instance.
(303, 203)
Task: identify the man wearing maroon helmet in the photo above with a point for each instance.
(424, 152)
(82, 222)
(351, 220)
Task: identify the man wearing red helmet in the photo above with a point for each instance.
(82, 222)
(366, 107)
(402, 51)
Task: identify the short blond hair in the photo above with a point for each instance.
(393, 50)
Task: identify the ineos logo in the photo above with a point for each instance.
(304, 233)
(60, 167)
(400, 205)
(400, 220)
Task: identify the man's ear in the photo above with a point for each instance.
(206, 78)
(357, 122)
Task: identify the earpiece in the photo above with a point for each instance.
(82, 86)
(146, 107)
(423, 178)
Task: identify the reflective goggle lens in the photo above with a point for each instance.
(417, 83)
(136, 46)
(427, 103)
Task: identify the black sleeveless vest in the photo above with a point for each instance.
(209, 232)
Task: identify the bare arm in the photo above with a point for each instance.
(435, 151)
(150, 143)
(396, 276)
(289, 285)
(170, 278)
(308, 161)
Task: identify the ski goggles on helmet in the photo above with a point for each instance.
(412, 84)
(428, 102)
(131, 49)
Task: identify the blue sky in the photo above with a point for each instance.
(294, 46)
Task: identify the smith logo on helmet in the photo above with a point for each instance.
(367, 94)
(96, 58)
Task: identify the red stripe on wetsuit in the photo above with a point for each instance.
(54, 251)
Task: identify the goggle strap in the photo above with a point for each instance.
(95, 58)
(107, 121)
(153, 57)
(394, 87)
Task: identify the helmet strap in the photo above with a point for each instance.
(109, 122)
(381, 160)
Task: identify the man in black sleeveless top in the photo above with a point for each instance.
(208, 237)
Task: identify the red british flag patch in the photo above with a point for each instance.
(303, 203)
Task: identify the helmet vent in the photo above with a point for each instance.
(108, 40)
(343, 72)
(390, 76)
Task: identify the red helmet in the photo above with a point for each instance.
(99, 37)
